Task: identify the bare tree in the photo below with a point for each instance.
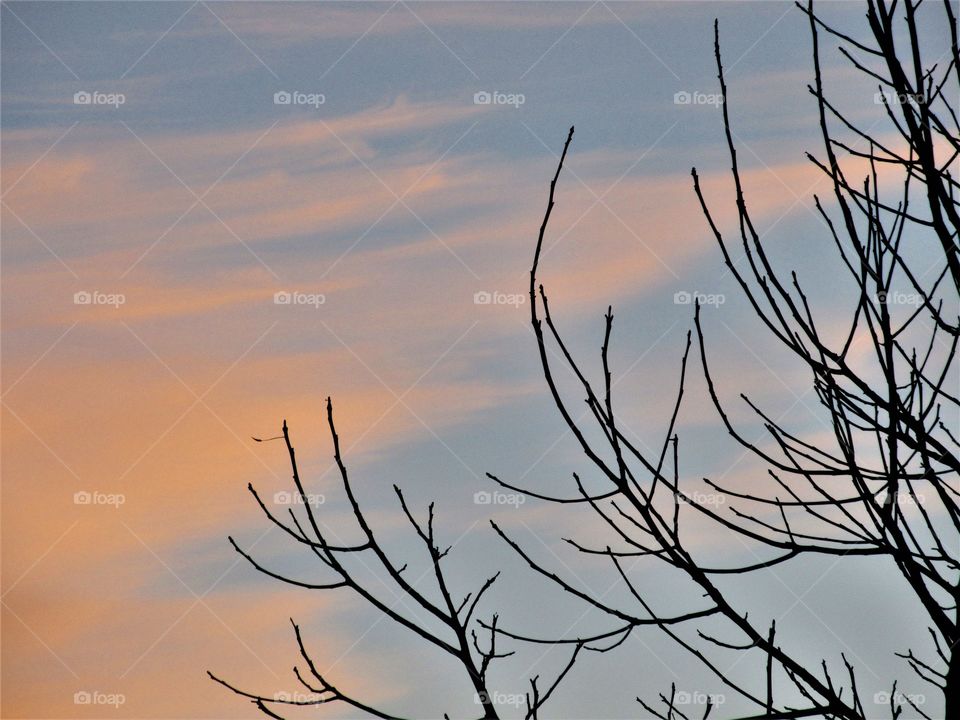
(886, 486)
(889, 484)
(456, 617)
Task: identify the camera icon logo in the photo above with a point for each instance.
(282, 297)
(82, 97)
(682, 98)
(282, 98)
(482, 297)
(82, 697)
(482, 497)
(682, 298)
(482, 98)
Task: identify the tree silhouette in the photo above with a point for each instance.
(887, 484)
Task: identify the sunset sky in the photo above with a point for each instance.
(183, 210)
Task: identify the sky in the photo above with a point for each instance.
(217, 214)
